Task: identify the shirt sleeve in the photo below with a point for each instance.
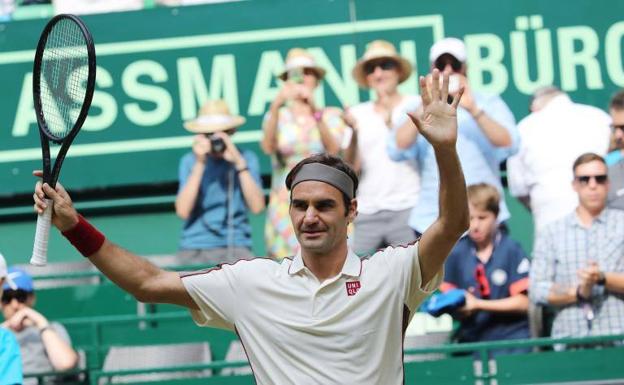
(397, 154)
(332, 117)
(405, 264)
(516, 176)
(10, 359)
(184, 170)
(542, 272)
(254, 166)
(215, 293)
(519, 271)
(62, 332)
(498, 111)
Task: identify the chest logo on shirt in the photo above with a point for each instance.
(499, 277)
(353, 287)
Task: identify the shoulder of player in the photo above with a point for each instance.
(242, 266)
(390, 252)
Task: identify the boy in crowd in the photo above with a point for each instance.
(493, 271)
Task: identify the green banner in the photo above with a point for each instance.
(156, 66)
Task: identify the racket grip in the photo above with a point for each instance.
(42, 235)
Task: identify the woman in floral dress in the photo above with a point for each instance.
(295, 128)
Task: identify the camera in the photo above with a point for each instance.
(217, 145)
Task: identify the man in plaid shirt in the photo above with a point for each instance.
(578, 261)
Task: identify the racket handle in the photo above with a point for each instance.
(40, 248)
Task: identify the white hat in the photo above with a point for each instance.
(4, 273)
(450, 45)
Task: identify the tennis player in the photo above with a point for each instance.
(324, 316)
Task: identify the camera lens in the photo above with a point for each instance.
(217, 145)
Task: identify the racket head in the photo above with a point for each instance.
(63, 77)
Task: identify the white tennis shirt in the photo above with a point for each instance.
(297, 330)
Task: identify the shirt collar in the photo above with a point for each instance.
(498, 236)
(575, 221)
(352, 266)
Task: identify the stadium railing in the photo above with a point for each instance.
(599, 365)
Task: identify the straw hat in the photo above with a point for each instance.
(300, 58)
(380, 49)
(213, 116)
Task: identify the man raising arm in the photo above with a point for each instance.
(324, 315)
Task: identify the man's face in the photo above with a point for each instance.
(382, 75)
(591, 185)
(15, 300)
(449, 64)
(482, 224)
(317, 213)
(617, 125)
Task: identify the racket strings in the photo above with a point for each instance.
(64, 71)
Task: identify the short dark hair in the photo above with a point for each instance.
(617, 101)
(331, 161)
(586, 158)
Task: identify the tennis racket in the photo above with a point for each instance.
(63, 83)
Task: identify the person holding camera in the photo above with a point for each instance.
(218, 185)
(295, 128)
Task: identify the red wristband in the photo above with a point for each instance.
(318, 115)
(85, 238)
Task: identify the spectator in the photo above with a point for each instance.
(487, 136)
(615, 159)
(578, 260)
(388, 190)
(493, 271)
(45, 346)
(295, 128)
(10, 358)
(218, 185)
(556, 132)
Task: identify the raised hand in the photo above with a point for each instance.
(438, 122)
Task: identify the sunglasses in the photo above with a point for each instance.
(296, 74)
(385, 65)
(584, 179)
(447, 59)
(482, 282)
(617, 127)
(9, 295)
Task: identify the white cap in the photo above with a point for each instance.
(4, 273)
(450, 45)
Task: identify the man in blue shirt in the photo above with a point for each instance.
(218, 184)
(493, 270)
(487, 136)
(10, 357)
